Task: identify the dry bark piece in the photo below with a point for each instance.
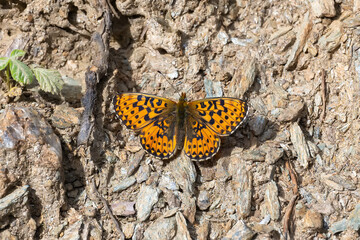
(243, 78)
(300, 145)
(272, 201)
(301, 38)
(182, 233)
(184, 172)
(243, 185)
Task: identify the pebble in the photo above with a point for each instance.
(128, 229)
(65, 117)
(122, 208)
(212, 88)
(292, 112)
(203, 201)
(17, 197)
(313, 220)
(354, 218)
(135, 162)
(124, 184)
(323, 8)
(239, 232)
(72, 89)
(161, 229)
(339, 226)
(73, 193)
(73, 232)
(143, 173)
(167, 181)
(300, 145)
(146, 199)
(257, 124)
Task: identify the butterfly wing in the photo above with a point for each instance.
(201, 143)
(137, 110)
(222, 115)
(159, 137)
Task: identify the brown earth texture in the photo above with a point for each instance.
(69, 169)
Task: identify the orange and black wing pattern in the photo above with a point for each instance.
(159, 138)
(137, 110)
(154, 116)
(222, 115)
(201, 143)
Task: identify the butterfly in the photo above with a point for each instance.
(164, 123)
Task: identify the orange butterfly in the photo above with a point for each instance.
(162, 121)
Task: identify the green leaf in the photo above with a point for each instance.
(16, 53)
(50, 80)
(3, 62)
(20, 72)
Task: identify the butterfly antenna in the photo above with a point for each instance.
(169, 83)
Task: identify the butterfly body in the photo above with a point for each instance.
(166, 125)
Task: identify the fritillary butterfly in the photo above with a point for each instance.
(163, 122)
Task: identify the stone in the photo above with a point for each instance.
(313, 220)
(203, 201)
(32, 152)
(323, 8)
(123, 208)
(65, 117)
(146, 199)
(239, 232)
(161, 229)
(124, 184)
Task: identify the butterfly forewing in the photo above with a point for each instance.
(221, 115)
(137, 110)
(201, 142)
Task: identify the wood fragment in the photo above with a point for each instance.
(106, 205)
(94, 74)
(293, 177)
(290, 208)
(288, 215)
(323, 94)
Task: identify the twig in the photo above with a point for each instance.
(293, 177)
(323, 95)
(290, 207)
(287, 216)
(122, 236)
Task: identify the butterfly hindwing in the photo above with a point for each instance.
(137, 110)
(159, 137)
(201, 143)
(223, 115)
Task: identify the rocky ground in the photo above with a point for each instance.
(70, 170)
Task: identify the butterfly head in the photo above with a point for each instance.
(183, 97)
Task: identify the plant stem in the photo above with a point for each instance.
(7, 73)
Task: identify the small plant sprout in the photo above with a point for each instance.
(15, 70)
